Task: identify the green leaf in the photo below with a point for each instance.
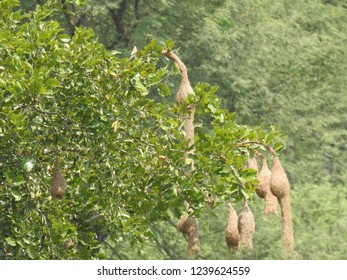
(169, 44)
(10, 241)
(176, 68)
(225, 170)
(163, 90)
(18, 180)
(78, 2)
(16, 195)
(212, 108)
(188, 160)
(52, 82)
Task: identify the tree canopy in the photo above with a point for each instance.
(71, 90)
(121, 152)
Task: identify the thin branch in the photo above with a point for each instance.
(259, 155)
(117, 17)
(69, 19)
(120, 256)
(136, 9)
(237, 176)
(163, 246)
(44, 112)
(271, 150)
(95, 217)
(282, 81)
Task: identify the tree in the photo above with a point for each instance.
(120, 152)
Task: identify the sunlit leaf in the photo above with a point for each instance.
(10, 241)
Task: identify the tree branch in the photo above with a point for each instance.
(117, 17)
(271, 150)
(72, 21)
(44, 112)
(120, 256)
(136, 9)
(68, 17)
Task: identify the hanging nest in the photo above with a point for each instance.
(69, 243)
(58, 184)
(263, 190)
(232, 236)
(246, 227)
(279, 185)
(287, 227)
(189, 128)
(185, 87)
(189, 226)
(182, 94)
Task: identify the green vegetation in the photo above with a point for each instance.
(69, 89)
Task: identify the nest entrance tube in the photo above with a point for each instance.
(182, 94)
(189, 226)
(279, 186)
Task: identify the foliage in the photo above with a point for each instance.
(279, 63)
(121, 152)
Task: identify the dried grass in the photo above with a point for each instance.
(185, 87)
(58, 184)
(189, 226)
(232, 236)
(287, 227)
(279, 185)
(246, 227)
(263, 190)
(69, 243)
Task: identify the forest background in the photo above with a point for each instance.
(280, 63)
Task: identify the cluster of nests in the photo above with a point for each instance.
(273, 187)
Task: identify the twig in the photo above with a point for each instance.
(271, 150)
(44, 112)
